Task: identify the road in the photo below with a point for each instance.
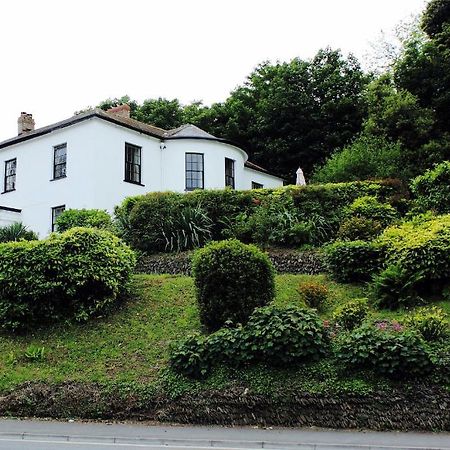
(49, 435)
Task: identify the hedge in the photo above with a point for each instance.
(147, 222)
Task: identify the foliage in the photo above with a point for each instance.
(365, 158)
(314, 294)
(353, 260)
(95, 218)
(34, 353)
(290, 216)
(273, 335)
(420, 250)
(16, 232)
(162, 221)
(282, 336)
(351, 314)
(78, 274)
(395, 288)
(231, 280)
(359, 229)
(437, 13)
(431, 322)
(432, 189)
(369, 207)
(388, 351)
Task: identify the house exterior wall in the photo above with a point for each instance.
(95, 169)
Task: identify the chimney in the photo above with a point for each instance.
(121, 111)
(25, 123)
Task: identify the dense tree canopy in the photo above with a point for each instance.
(302, 112)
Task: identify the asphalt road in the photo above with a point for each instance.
(49, 435)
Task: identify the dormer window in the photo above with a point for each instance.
(10, 175)
(59, 161)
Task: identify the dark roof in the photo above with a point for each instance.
(254, 166)
(187, 131)
(124, 121)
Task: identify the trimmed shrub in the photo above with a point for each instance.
(280, 336)
(359, 229)
(231, 280)
(352, 314)
(369, 207)
(77, 274)
(421, 250)
(431, 322)
(314, 294)
(395, 354)
(95, 218)
(16, 232)
(353, 260)
(432, 189)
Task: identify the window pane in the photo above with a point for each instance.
(194, 171)
(132, 163)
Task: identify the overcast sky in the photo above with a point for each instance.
(61, 56)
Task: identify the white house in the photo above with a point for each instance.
(97, 158)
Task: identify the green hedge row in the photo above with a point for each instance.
(292, 215)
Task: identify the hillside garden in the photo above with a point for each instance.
(77, 323)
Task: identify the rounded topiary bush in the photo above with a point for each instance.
(351, 315)
(95, 218)
(231, 280)
(78, 274)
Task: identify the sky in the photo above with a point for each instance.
(62, 56)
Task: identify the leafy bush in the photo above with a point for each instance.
(432, 189)
(430, 322)
(273, 336)
(231, 280)
(314, 294)
(366, 158)
(78, 274)
(421, 251)
(16, 232)
(395, 288)
(352, 260)
(352, 314)
(396, 354)
(369, 207)
(285, 336)
(95, 218)
(359, 229)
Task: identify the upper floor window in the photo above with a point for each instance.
(59, 161)
(10, 175)
(195, 173)
(56, 212)
(132, 163)
(256, 185)
(229, 172)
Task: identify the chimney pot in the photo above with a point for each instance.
(25, 123)
(121, 110)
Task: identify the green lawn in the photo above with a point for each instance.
(131, 344)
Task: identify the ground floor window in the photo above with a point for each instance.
(256, 185)
(56, 212)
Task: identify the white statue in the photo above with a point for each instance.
(300, 178)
